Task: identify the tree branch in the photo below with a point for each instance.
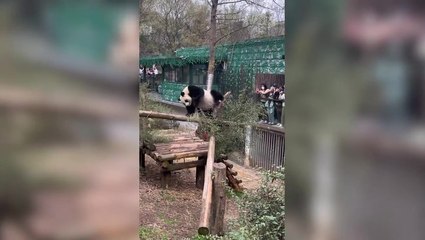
(257, 4)
(224, 36)
(280, 6)
(229, 19)
(224, 14)
(231, 2)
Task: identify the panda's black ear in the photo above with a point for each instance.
(195, 92)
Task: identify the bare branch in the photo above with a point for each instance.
(257, 4)
(231, 2)
(237, 30)
(229, 19)
(223, 14)
(280, 6)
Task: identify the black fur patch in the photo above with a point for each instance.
(217, 96)
(190, 110)
(196, 93)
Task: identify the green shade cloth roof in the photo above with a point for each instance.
(249, 52)
(162, 60)
(201, 54)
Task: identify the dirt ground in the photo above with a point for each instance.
(172, 213)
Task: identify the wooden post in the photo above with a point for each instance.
(165, 175)
(219, 199)
(144, 74)
(204, 223)
(141, 158)
(200, 174)
(248, 136)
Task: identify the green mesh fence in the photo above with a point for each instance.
(243, 59)
(201, 54)
(248, 58)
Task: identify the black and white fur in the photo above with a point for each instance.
(196, 98)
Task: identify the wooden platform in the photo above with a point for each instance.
(181, 146)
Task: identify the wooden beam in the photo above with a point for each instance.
(173, 156)
(175, 117)
(150, 114)
(204, 223)
(179, 166)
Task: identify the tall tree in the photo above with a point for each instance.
(214, 5)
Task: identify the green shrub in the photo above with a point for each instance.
(262, 211)
(241, 111)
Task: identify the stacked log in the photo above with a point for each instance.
(232, 181)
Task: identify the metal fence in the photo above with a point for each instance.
(266, 147)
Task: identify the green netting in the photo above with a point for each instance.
(243, 59)
(201, 54)
(162, 60)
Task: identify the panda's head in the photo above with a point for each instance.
(185, 98)
(190, 95)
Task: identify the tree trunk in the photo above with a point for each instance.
(213, 32)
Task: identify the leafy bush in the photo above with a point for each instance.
(240, 111)
(262, 211)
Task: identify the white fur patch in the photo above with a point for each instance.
(186, 99)
(207, 102)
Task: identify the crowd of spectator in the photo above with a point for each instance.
(273, 101)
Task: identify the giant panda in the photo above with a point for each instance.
(196, 98)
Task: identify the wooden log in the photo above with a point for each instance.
(219, 199)
(234, 173)
(180, 141)
(174, 156)
(182, 146)
(204, 223)
(142, 158)
(221, 158)
(229, 165)
(233, 182)
(179, 166)
(150, 114)
(165, 151)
